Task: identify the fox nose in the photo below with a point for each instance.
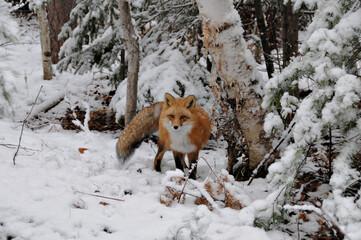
(175, 127)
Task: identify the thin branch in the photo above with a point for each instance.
(4, 44)
(183, 192)
(185, 183)
(211, 169)
(22, 127)
(255, 172)
(13, 146)
(330, 154)
(100, 196)
(302, 163)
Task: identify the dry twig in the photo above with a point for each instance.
(185, 183)
(22, 127)
(100, 196)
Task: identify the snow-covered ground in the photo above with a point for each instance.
(56, 192)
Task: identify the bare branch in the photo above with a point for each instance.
(185, 183)
(22, 127)
(100, 196)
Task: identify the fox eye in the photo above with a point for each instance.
(171, 116)
(183, 117)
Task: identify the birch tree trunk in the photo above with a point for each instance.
(238, 87)
(132, 47)
(45, 43)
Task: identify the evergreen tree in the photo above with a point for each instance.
(171, 48)
(94, 38)
(8, 28)
(328, 71)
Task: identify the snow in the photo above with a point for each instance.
(56, 192)
(49, 193)
(272, 121)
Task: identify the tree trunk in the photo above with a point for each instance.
(45, 43)
(263, 32)
(239, 79)
(132, 47)
(289, 33)
(58, 15)
(122, 64)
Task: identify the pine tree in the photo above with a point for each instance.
(172, 55)
(8, 28)
(319, 95)
(94, 38)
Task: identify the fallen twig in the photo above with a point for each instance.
(100, 196)
(13, 146)
(22, 127)
(48, 104)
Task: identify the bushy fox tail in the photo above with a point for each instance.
(144, 123)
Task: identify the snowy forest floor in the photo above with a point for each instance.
(67, 184)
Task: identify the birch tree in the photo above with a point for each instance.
(40, 7)
(45, 42)
(239, 87)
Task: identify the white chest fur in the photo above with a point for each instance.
(180, 141)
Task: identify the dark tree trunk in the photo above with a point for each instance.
(122, 65)
(263, 32)
(273, 21)
(289, 33)
(58, 15)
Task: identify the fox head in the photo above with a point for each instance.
(178, 111)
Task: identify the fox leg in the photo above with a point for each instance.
(179, 160)
(192, 159)
(158, 158)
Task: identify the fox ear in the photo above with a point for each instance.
(168, 99)
(190, 101)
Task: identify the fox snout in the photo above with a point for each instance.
(175, 127)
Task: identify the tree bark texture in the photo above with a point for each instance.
(58, 15)
(289, 33)
(132, 48)
(238, 80)
(45, 43)
(263, 33)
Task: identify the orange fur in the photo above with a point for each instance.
(184, 128)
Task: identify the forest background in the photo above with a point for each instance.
(281, 81)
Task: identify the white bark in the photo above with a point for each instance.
(240, 81)
(45, 43)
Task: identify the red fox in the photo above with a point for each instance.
(184, 127)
